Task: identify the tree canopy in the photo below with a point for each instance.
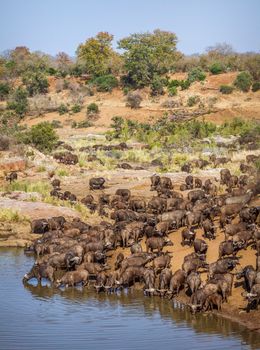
(95, 54)
(147, 55)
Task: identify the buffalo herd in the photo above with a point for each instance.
(74, 252)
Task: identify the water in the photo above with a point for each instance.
(33, 317)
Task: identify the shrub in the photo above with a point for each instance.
(92, 109)
(56, 124)
(4, 143)
(226, 89)
(196, 74)
(193, 100)
(170, 104)
(63, 109)
(256, 86)
(243, 81)
(240, 127)
(157, 85)
(133, 99)
(4, 90)
(19, 102)
(126, 90)
(42, 136)
(173, 83)
(36, 83)
(105, 83)
(52, 71)
(83, 124)
(76, 108)
(172, 91)
(216, 68)
(184, 84)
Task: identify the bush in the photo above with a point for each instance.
(92, 109)
(19, 102)
(172, 91)
(256, 86)
(83, 124)
(63, 109)
(193, 100)
(76, 108)
(133, 99)
(157, 85)
(243, 81)
(196, 74)
(217, 68)
(42, 136)
(126, 90)
(170, 104)
(4, 143)
(105, 83)
(239, 126)
(36, 83)
(226, 89)
(173, 83)
(56, 124)
(4, 90)
(184, 84)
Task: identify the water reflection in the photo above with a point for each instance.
(178, 314)
(74, 317)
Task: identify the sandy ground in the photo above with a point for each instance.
(237, 104)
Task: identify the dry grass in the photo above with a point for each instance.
(11, 215)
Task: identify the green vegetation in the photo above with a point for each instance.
(95, 55)
(5, 89)
(256, 86)
(18, 102)
(92, 109)
(42, 136)
(63, 109)
(28, 186)
(157, 86)
(62, 172)
(226, 89)
(147, 55)
(83, 124)
(239, 127)
(243, 81)
(166, 133)
(172, 90)
(217, 68)
(11, 215)
(193, 100)
(36, 83)
(196, 74)
(76, 108)
(105, 83)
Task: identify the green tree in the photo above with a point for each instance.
(243, 81)
(95, 54)
(19, 102)
(36, 83)
(42, 136)
(196, 74)
(148, 55)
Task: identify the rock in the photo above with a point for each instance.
(37, 210)
(22, 196)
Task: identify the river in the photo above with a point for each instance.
(40, 317)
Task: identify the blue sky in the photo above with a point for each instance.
(60, 25)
